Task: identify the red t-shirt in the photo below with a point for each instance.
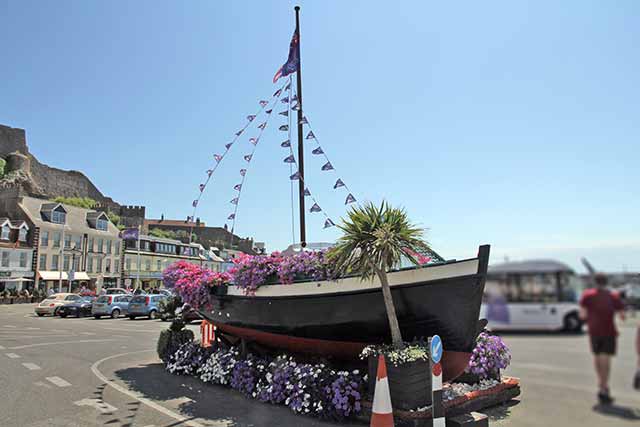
(601, 306)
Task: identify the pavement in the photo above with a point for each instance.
(88, 372)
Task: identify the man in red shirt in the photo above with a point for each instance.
(598, 306)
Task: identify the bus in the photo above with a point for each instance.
(532, 295)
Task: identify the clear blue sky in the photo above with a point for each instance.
(512, 123)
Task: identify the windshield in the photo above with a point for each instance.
(103, 299)
(139, 298)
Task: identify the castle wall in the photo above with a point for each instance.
(12, 139)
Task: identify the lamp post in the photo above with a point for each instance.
(61, 260)
(73, 252)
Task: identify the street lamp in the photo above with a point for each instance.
(73, 252)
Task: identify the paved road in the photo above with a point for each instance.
(87, 372)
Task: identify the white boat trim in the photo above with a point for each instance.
(351, 284)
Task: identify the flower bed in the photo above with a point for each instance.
(489, 356)
(314, 389)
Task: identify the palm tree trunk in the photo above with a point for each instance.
(396, 335)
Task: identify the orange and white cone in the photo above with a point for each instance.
(208, 334)
(382, 412)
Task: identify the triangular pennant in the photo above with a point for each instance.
(189, 218)
(294, 98)
(350, 199)
(234, 201)
(277, 93)
(289, 159)
(285, 144)
(202, 187)
(338, 184)
(209, 172)
(284, 128)
(239, 132)
(327, 166)
(243, 172)
(310, 135)
(284, 113)
(296, 107)
(328, 223)
(285, 100)
(254, 141)
(304, 121)
(295, 176)
(315, 208)
(232, 216)
(237, 187)
(317, 151)
(217, 157)
(228, 145)
(288, 86)
(268, 111)
(307, 192)
(250, 117)
(262, 125)
(264, 103)
(194, 203)
(248, 157)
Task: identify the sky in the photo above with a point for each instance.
(513, 123)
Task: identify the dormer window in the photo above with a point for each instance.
(58, 216)
(102, 224)
(4, 235)
(22, 234)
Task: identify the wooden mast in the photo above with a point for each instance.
(301, 185)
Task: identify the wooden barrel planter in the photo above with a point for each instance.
(409, 383)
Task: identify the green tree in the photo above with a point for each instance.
(163, 234)
(80, 202)
(2, 165)
(374, 240)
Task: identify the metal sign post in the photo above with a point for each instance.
(437, 411)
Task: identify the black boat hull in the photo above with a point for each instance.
(339, 319)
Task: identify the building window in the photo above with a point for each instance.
(90, 264)
(99, 265)
(23, 259)
(127, 264)
(67, 241)
(76, 264)
(100, 245)
(5, 258)
(58, 217)
(5, 232)
(118, 247)
(56, 239)
(78, 242)
(90, 247)
(102, 224)
(107, 265)
(116, 266)
(159, 264)
(22, 234)
(108, 246)
(147, 264)
(43, 262)
(54, 262)
(65, 262)
(44, 238)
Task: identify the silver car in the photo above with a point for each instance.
(52, 303)
(111, 305)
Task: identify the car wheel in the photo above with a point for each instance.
(572, 323)
(78, 314)
(96, 316)
(40, 314)
(153, 314)
(63, 315)
(132, 317)
(55, 312)
(115, 313)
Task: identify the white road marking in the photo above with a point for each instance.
(12, 356)
(184, 420)
(58, 381)
(41, 384)
(99, 404)
(87, 333)
(41, 344)
(9, 326)
(33, 329)
(31, 366)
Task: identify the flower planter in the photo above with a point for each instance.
(471, 378)
(5, 301)
(409, 383)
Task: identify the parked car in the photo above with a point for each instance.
(111, 305)
(79, 308)
(115, 291)
(52, 304)
(145, 305)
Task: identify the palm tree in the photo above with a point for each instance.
(374, 240)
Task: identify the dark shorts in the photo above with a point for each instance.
(603, 345)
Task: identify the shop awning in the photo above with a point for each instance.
(55, 275)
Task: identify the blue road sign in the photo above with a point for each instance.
(436, 349)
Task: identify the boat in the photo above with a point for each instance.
(338, 318)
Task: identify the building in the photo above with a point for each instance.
(16, 255)
(155, 255)
(72, 243)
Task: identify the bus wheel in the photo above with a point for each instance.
(572, 323)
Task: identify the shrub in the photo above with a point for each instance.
(170, 340)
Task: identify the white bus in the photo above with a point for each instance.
(532, 295)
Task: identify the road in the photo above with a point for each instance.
(87, 372)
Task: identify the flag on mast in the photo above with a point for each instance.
(293, 61)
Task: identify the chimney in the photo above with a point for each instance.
(198, 222)
(161, 217)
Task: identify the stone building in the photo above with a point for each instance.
(16, 255)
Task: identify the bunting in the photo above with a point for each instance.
(237, 187)
(284, 113)
(189, 218)
(248, 157)
(315, 208)
(284, 128)
(239, 132)
(232, 216)
(243, 172)
(254, 141)
(294, 98)
(277, 93)
(296, 107)
(307, 192)
(269, 111)
(290, 159)
(328, 223)
(317, 151)
(350, 199)
(209, 172)
(303, 121)
(295, 176)
(234, 201)
(195, 203)
(262, 125)
(227, 146)
(250, 117)
(287, 86)
(327, 167)
(338, 183)
(264, 103)
(285, 100)
(202, 187)
(285, 144)
(310, 135)
(217, 158)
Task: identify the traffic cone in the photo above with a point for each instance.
(382, 412)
